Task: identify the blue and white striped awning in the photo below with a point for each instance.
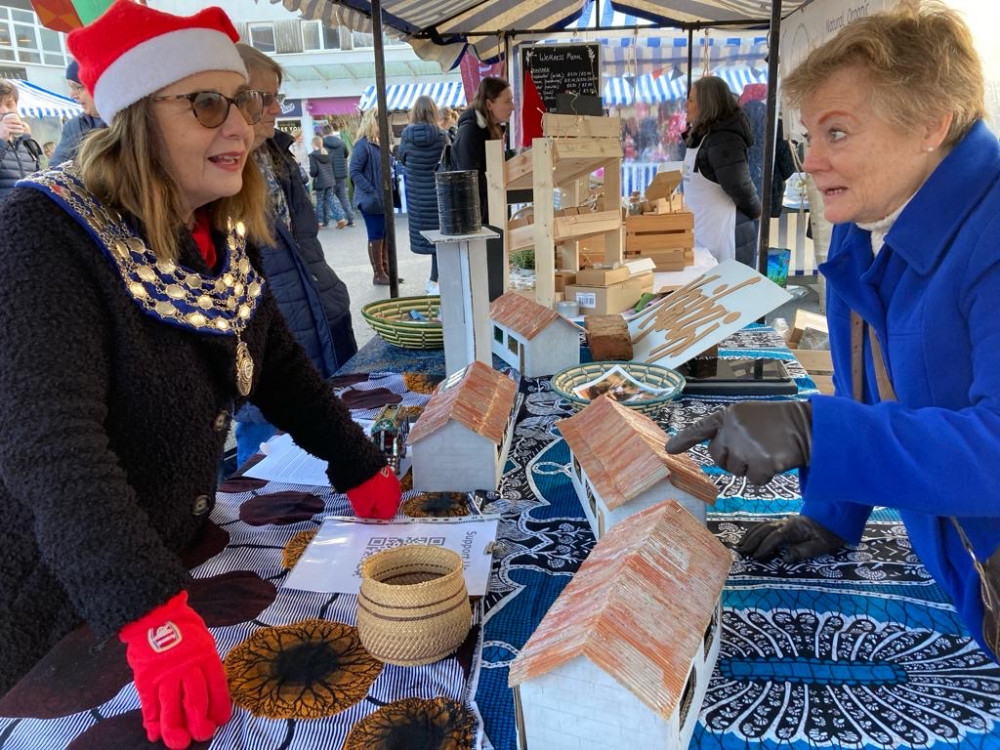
(35, 101)
(402, 96)
(440, 30)
(621, 92)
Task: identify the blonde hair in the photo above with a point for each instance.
(369, 126)
(121, 165)
(254, 59)
(919, 63)
(424, 110)
(317, 143)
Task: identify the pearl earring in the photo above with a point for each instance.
(930, 149)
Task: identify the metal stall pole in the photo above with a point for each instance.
(690, 59)
(770, 134)
(385, 143)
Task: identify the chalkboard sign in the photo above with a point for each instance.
(563, 68)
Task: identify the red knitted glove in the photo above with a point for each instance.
(376, 497)
(178, 674)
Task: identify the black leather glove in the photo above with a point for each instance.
(754, 439)
(804, 537)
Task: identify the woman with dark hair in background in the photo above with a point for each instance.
(420, 149)
(484, 120)
(366, 173)
(717, 183)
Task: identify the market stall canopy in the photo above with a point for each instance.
(650, 89)
(441, 30)
(35, 101)
(402, 96)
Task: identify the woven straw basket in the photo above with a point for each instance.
(656, 376)
(391, 320)
(413, 608)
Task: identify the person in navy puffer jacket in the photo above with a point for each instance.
(420, 149)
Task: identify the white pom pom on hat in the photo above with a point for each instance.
(132, 51)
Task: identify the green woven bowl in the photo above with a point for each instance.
(391, 320)
(653, 376)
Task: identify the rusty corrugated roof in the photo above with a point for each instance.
(524, 316)
(624, 454)
(638, 607)
(480, 398)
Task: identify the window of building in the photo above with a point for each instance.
(498, 334)
(23, 39)
(317, 37)
(686, 699)
(512, 344)
(262, 37)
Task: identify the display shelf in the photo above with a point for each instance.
(572, 148)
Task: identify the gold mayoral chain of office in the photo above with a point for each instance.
(221, 305)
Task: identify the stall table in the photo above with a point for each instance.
(855, 650)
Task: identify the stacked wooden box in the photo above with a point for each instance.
(665, 230)
(668, 239)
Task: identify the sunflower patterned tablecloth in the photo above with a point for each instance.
(298, 673)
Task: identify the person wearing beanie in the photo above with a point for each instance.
(20, 155)
(135, 321)
(76, 128)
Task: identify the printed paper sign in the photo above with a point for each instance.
(332, 561)
(702, 313)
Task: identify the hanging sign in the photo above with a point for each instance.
(556, 69)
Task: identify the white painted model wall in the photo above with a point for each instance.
(654, 495)
(455, 459)
(577, 706)
(552, 350)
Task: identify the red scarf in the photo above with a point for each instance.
(202, 234)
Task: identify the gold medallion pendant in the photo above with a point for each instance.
(244, 368)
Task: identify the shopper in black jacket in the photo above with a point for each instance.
(323, 182)
(484, 120)
(19, 153)
(717, 183)
(339, 156)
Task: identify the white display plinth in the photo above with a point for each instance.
(465, 302)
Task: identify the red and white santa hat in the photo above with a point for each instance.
(132, 51)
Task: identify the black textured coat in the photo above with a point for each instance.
(723, 160)
(113, 427)
(420, 149)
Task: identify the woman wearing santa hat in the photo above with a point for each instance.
(134, 323)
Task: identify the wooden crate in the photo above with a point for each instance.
(666, 238)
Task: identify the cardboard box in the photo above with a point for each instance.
(645, 281)
(598, 300)
(601, 276)
(563, 278)
(640, 266)
(663, 184)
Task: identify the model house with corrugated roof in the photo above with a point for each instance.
(532, 338)
(624, 656)
(460, 441)
(620, 465)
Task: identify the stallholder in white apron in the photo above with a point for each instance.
(714, 211)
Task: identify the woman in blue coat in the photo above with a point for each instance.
(420, 149)
(910, 176)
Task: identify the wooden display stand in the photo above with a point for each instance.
(573, 147)
(465, 304)
(668, 239)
